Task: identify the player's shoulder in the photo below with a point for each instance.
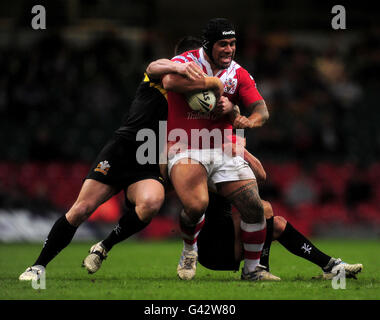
(237, 68)
(240, 72)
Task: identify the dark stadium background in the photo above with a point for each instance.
(63, 91)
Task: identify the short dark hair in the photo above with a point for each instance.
(186, 44)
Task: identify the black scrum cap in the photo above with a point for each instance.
(215, 30)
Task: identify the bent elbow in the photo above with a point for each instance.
(265, 113)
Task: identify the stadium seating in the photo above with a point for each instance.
(59, 183)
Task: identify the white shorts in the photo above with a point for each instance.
(220, 167)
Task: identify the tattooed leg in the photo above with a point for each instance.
(245, 197)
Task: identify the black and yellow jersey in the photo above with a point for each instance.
(148, 108)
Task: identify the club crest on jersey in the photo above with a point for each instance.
(230, 86)
(103, 167)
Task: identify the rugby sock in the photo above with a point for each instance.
(189, 232)
(58, 238)
(253, 238)
(297, 244)
(128, 225)
(264, 258)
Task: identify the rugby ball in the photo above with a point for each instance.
(203, 101)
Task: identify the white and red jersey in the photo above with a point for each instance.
(239, 87)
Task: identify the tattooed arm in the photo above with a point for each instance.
(259, 115)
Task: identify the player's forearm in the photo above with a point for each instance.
(259, 114)
(255, 165)
(159, 68)
(180, 84)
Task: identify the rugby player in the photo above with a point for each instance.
(116, 169)
(191, 169)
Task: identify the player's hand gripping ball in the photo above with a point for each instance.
(204, 101)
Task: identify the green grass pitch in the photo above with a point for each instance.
(138, 270)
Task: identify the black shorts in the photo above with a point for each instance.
(216, 240)
(116, 165)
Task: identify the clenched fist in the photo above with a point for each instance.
(242, 122)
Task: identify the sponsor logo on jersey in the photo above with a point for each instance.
(103, 167)
(230, 85)
(196, 115)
